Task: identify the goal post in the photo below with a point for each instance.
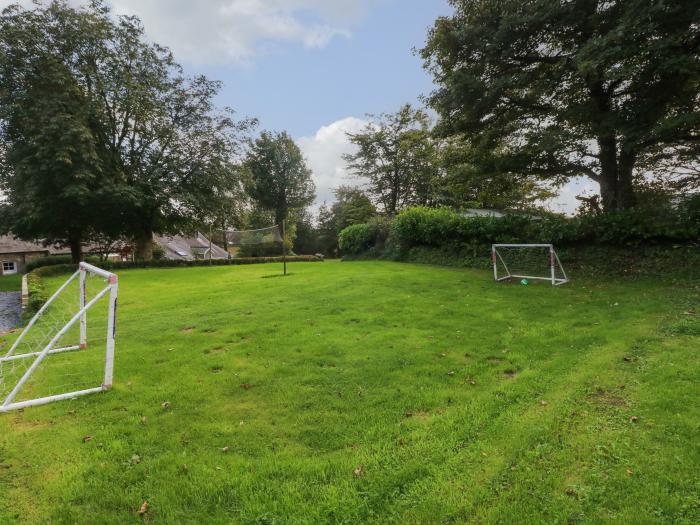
(527, 261)
(67, 349)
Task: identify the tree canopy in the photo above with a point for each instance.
(553, 90)
(145, 148)
(396, 157)
(277, 176)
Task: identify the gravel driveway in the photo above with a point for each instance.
(10, 307)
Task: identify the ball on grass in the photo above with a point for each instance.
(524, 282)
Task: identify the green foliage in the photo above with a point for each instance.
(356, 239)
(38, 294)
(432, 379)
(553, 90)
(396, 157)
(277, 176)
(634, 227)
(102, 133)
(53, 260)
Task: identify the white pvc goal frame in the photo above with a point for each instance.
(15, 352)
(554, 264)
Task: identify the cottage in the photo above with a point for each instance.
(15, 254)
(181, 248)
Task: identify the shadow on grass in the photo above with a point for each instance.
(276, 275)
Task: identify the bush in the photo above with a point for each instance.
(53, 260)
(356, 239)
(37, 293)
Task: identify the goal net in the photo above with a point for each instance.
(67, 349)
(263, 242)
(527, 261)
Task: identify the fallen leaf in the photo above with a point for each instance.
(629, 472)
(135, 459)
(570, 491)
(359, 471)
(224, 450)
(246, 386)
(634, 419)
(451, 373)
(143, 420)
(87, 438)
(144, 508)
(165, 405)
(543, 403)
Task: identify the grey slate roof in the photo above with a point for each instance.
(10, 244)
(179, 247)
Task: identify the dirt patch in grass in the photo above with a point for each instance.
(510, 373)
(606, 397)
(187, 329)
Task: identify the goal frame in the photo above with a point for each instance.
(553, 262)
(110, 290)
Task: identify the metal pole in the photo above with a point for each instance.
(111, 332)
(284, 246)
(83, 296)
(493, 260)
(551, 264)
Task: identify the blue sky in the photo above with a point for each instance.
(314, 68)
(370, 70)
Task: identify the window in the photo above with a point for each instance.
(9, 267)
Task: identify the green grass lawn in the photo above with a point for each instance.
(10, 283)
(374, 392)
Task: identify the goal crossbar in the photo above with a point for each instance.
(554, 270)
(18, 352)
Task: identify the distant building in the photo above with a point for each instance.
(182, 248)
(15, 254)
(482, 212)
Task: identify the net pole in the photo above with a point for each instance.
(111, 332)
(493, 260)
(551, 265)
(83, 296)
(284, 246)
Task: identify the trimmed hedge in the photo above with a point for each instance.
(37, 294)
(622, 242)
(443, 227)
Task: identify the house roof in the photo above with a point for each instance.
(179, 247)
(10, 244)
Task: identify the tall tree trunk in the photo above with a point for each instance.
(608, 172)
(625, 172)
(76, 249)
(616, 173)
(143, 246)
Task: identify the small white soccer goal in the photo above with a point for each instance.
(527, 261)
(67, 348)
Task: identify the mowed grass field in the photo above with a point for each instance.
(374, 392)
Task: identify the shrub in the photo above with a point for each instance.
(356, 239)
(37, 293)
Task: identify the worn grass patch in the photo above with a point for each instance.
(373, 392)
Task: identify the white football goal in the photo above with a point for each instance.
(527, 261)
(67, 349)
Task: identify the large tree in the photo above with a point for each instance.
(469, 181)
(278, 178)
(603, 89)
(161, 152)
(395, 155)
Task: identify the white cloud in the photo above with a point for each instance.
(566, 201)
(324, 154)
(234, 31)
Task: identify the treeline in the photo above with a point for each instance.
(529, 97)
(103, 137)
